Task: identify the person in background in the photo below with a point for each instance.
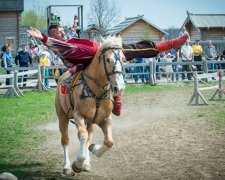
(184, 31)
(210, 54)
(187, 53)
(44, 61)
(58, 72)
(76, 26)
(197, 50)
(139, 69)
(33, 50)
(23, 59)
(222, 59)
(3, 49)
(7, 61)
(72, 34)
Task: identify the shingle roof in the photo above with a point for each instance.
(128, 22)
(206, 20)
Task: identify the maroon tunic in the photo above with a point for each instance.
(74, 51)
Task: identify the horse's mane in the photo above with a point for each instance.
(111, 42)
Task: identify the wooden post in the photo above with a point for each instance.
(197, 94)
(219, 90)
(16, 83)
(40, 86)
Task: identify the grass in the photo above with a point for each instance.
(21, 139)
(19, 134)
(158, 88)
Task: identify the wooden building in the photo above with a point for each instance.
(206, 27)
(137, 29)
(92, 32)
(10, 23)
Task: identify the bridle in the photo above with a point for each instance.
(117, 60)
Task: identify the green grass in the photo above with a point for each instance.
(20, 119)
(160, 87)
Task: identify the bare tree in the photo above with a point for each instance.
(104, 13)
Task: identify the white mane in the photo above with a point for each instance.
(111, 41)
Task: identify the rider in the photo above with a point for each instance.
(81, 51)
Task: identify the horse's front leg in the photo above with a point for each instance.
(78, 164)
(99, 150)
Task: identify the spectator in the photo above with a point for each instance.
(44, 61)
(58, 72)
(184, 31)
(76, 25)
(175, 54)
(169, 69)
(197, 50)
(72, 34)
(3, 49)
(33, 50)
(139, 69)
(23, 59)
(7, 61)
(147, 69)
(160, 56)
(187, 53)
(222, 58)
(55, 20)
(210, 54)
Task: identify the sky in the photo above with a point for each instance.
(162, 13)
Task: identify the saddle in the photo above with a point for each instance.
(70, 81)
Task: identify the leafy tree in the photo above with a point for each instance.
(146, 35)
(104, 13)
(36, 16)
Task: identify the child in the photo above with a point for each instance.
(44, 61)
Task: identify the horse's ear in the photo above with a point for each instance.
(118, 35)
(102, 40)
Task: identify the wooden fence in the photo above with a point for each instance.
(152, 73)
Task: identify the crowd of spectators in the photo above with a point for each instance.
(189, 52)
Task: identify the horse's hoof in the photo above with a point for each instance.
(67, 172)
(91, 147)
(75, 168)
(87, 168)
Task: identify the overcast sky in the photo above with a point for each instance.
(162, 13)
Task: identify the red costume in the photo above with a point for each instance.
(82, 51)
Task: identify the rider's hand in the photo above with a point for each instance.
(35, 33)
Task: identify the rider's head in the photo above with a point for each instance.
(57, 32)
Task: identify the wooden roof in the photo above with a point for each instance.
(206, 20)
(11, 5)
(128, 22)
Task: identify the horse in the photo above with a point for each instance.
(91, 102)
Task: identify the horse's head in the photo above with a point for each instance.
(112, 56)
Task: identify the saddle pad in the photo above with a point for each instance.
(65, 89)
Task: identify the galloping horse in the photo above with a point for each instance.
(90, 102)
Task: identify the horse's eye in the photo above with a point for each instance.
(108, 59)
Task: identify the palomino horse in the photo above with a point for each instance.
(90, 102)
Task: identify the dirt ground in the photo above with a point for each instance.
(157, 137)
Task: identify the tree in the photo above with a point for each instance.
(104, 13)
(146, 35)
(36, 16)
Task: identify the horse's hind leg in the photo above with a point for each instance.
(99, 150)
(63, 127)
